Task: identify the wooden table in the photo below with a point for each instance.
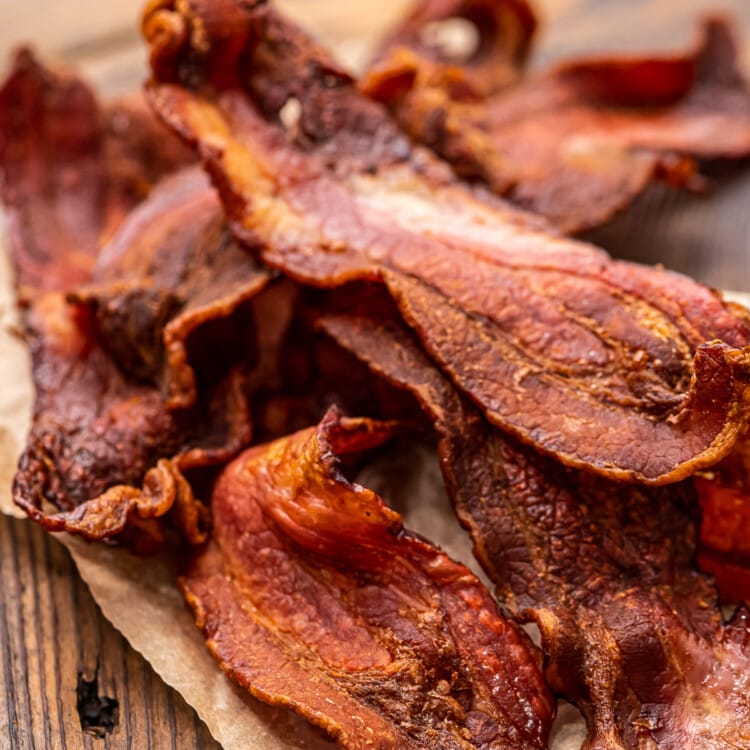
(54, 642)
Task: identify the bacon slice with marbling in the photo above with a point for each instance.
(132, 384)
(312, 595)
(580, 142)
(631, 371)
(632, 632)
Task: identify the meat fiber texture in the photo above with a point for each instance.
(138, 595)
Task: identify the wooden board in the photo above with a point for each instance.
(50, 629)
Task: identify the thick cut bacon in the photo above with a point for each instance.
(106, 448)
(577, 143)
(631, 371)
(632, 633)
(312, 595)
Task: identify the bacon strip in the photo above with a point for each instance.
(601, 363)
(72, 170)
(98, 431)
(106, 448)
(725, 524)
(579, 142)
(504, 33)
(313, 596)
(632, 633)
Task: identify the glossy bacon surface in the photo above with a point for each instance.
(631, 371)
(580, 142)
(312, 595)
(632, 632)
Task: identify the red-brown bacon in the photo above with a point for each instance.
(312, 595)
(470, 67)
(579, 142)
(632, 633)
(116, 387)
(725, 524)
(99, 431)
(631, 371)
(107, 447)
(72, 169)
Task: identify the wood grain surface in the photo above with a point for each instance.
(53, 639)
(52, 635)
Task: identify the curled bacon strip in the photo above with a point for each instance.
(630, 371)
(97, 433)
(580, 142)
(632, 632)
(312, 595)
(106, 448)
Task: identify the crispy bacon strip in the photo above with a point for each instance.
(312, 595)
(580, 142)
(71, 170)
(97, 433)
(106, 448)
(603, 364)
(632, 633)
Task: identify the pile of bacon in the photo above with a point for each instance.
(358, 247)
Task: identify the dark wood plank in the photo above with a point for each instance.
(51, 634)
